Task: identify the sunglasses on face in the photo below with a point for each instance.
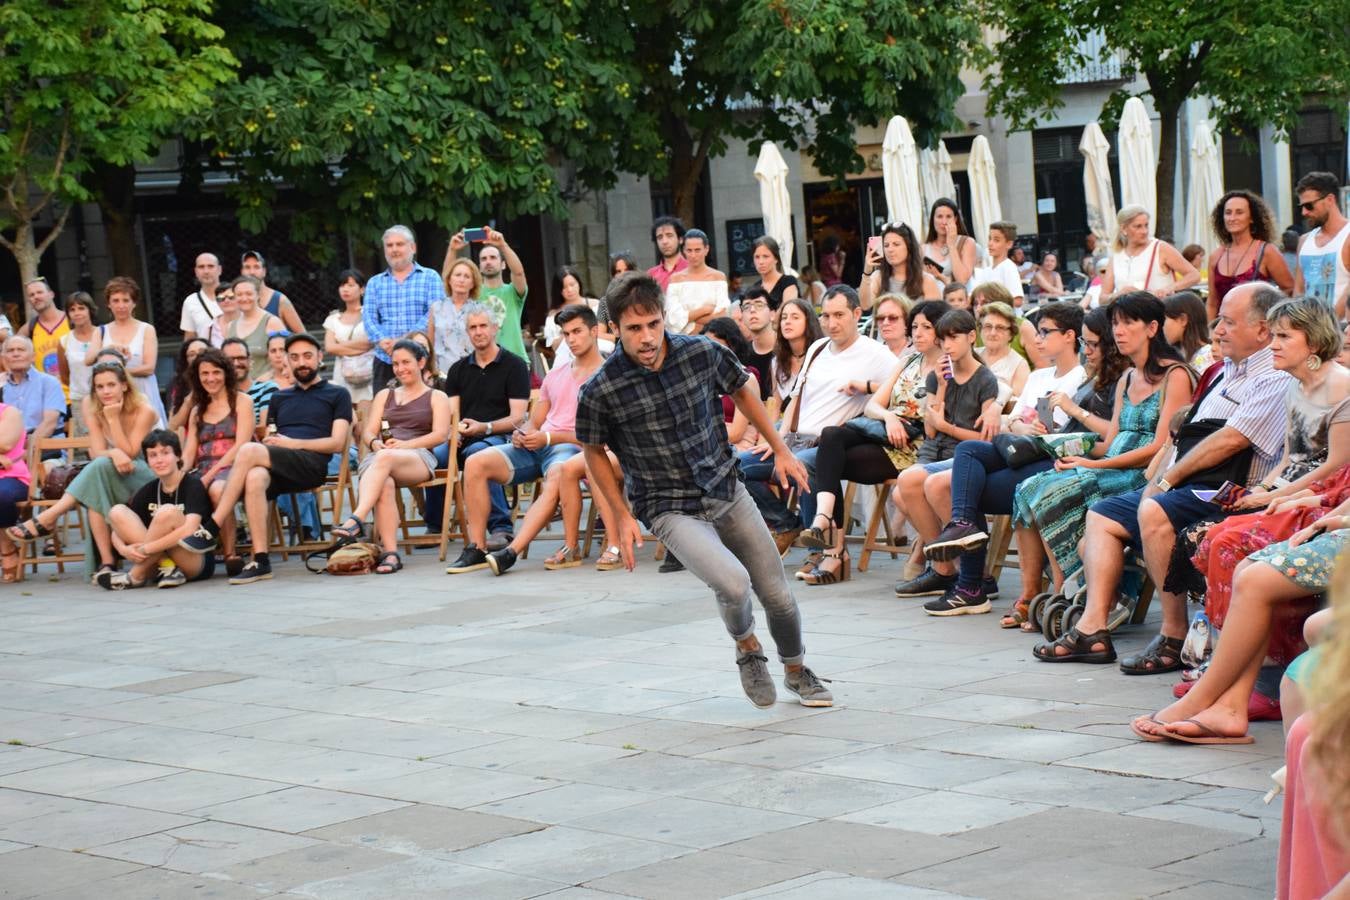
(883, 320)
(1311, 203)
(1046, 332)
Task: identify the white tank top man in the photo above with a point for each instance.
(1324, 252)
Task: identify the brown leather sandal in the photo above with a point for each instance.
(832, 569)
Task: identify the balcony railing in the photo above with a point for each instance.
(1099, 63)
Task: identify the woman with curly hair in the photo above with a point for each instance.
(1244, 227)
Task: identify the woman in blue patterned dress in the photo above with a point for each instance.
(1052, 507)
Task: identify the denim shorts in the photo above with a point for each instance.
(1182, 507)
(944, 465)
(527, 465)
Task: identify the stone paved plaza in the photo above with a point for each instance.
(583, 735)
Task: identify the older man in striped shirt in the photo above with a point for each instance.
(1242, 415)
(397, 299)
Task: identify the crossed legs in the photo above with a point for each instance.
(128, 530)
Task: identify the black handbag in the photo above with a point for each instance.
(1235, 468)
(1019, 449)
(875, 429)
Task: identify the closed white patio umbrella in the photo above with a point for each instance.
(772, 173)
(1138, 162)
(1101, 202)
(900, 174)
(1205, 189)
(935, 167)
(985, 207)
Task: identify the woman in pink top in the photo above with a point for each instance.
(14, 480)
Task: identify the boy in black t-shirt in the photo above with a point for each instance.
(157, 520)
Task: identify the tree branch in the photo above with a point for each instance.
(57, 228)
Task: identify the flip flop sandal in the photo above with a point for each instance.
(1148, 735)
(21, 533)
(1207, 735)
(390, 562)
(1079, 646)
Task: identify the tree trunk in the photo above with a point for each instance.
(25, 252)
(115, 187)
(686, 166)
(1168, 114)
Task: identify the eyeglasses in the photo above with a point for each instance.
(883, 320)
(1046, 332)
(1311, 203)
(994, 326)
(748, 305)
(1091, 345)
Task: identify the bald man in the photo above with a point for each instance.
(200, 308)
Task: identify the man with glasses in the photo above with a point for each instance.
(1243, 410)
(260, 392)
(1324, 252)
(757, 319)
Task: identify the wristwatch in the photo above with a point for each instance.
(1163, 484)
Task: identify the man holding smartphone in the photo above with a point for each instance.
(505, 299)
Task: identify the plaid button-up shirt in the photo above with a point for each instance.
(665, 426)
(392, 308)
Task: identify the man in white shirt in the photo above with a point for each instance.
(838, 375)
(1002, 269)
(200, 308)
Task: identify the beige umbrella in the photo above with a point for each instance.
(900, 174)
(936, 168)
(1138, 162)
(1101, 201)
(772, 173)
(985, 208)
(1206, 188)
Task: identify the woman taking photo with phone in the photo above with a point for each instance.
(893, 266)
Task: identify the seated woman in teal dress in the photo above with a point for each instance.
(1052, 506)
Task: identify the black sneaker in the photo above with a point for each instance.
(234, 565)
(471, 560)
(928, 582)
(171, 578)
(501, 560)
(990, 588)
(957, 602)
(259, 568)
(200, 541)
(670, 564)
(958, 537)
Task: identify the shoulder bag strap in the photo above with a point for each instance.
(1152, 257)
(801, 386)
(1196, 401)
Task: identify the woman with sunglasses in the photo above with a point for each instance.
(948, 250)
(892, 323)
(118, 417)
(895, 267)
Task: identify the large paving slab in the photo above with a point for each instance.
(581, 735)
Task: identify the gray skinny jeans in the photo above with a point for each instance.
(730, 550)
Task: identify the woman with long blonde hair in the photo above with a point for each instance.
(118, 418)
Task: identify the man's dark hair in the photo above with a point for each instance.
(162, 437)
(303, 337)
(758, 293)
(576, 311)
(671, 221)
(953, 287)
(845, 291)
(1068, 316)
(634, 291)
(1322, 182)
(234, 340)
(1289, 240)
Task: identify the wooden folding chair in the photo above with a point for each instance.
(879, 521)
(334, 490)
(451, 480)
(33, 553)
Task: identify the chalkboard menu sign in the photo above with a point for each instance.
(740, 245)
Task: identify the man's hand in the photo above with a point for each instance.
(534, 440)
(495, 238)
(457, 242)
(280, 440)
(387, 345)
(627, 535)
(787, 468)
(472, 426)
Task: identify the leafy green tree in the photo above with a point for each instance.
(804, 73)
(378, 111)
(89, 82)
(1258, 62)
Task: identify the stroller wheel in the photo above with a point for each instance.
(1050, 622)
(1069, 618)
(1036, 608)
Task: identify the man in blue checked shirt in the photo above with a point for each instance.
(397, 299)
(653, 406)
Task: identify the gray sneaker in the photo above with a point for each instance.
(497, 541)
(808, 688)
(755, 679)
(171, 578)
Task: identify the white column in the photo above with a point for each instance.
(1277, 178)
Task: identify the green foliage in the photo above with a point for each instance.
(1258, 61)
(390, 110)
(86, 81)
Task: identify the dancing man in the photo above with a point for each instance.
(652, 404)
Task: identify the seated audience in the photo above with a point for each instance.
(259, 392)
(312, 422)
(541, 448)
(998, 324)
(871, 450)
(891, 320)
(837, 376)
(1046, 280)
(14, 483)
(1233, 432)
(981, 481)
(219, 421)
(490, 392)
(118, 419)
(956, 296)
(180, 389)
(153, 524)
(1187, 329)
(798, 331)
(37, 395)
(757, 327)
(406, 425)
(1051, 507)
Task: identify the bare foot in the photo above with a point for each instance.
(1219, 720)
